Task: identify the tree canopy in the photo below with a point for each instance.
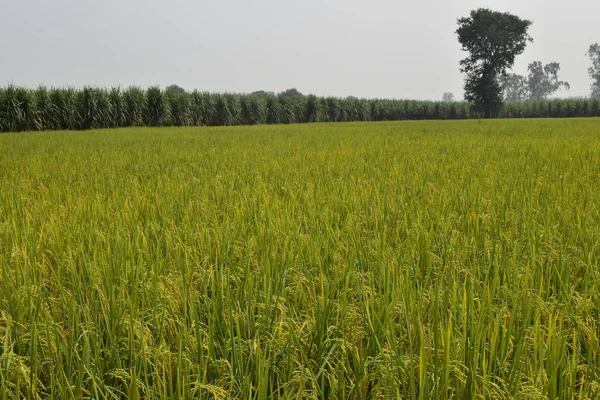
(541, 82)
(448, 97)
(594, 71)
(174, 89)
(262, 93)
(493, 40)
(291, 93)
(514, 87)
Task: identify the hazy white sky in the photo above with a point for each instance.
(374, 48)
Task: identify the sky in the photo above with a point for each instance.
(363, 48)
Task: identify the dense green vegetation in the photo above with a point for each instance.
(385, 260)
(493, 40)
(24, 109)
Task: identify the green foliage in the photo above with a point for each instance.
(448, 97)
(23, 109)
(135, 107)
(543, 81)
(174, 89)
(557, 108)
(65, 102)
(291, 93)
(226, 109)
(92, 108)
(493, 40)
(158, 112)
(483, 90)
(47, 112)
(262, 93)
(594, 54)
(179, 105)
(200, 109)
(12, 112)
(413, 260)
(117, 108)
(514, 87)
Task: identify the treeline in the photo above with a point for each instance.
(23, 109)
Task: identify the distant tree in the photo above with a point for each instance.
(261, 93)
(493, 40)
(291, 93)
(448, 97)
(174, 89)
(594, 71)
(542, 81)
(351, 98)
(514, 87)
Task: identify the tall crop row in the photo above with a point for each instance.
(23, 109)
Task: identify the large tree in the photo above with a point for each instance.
(262, 93)
(493, 40)
(448, 97)
(291, 93)
(594, 53)
(541, 82)
(174, 89)
(514, 87)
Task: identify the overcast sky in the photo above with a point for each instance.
(365, 48)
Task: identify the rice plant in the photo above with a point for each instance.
(417, 260)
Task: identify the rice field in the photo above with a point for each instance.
(413, 260)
